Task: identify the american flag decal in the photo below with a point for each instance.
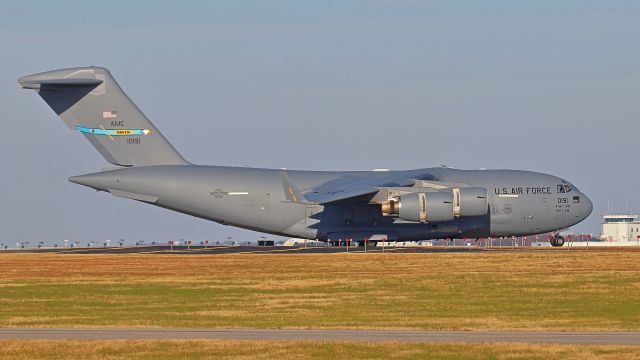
(109, 114)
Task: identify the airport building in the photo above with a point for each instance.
(617, 228)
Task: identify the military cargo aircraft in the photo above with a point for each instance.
(358, 206)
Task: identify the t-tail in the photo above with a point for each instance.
(91, 102)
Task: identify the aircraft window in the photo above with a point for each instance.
(564, 189)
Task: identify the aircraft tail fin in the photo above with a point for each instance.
(90, 101)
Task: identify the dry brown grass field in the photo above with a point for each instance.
(196, 349)
(573, 290)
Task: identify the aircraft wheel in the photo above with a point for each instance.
(557, 241)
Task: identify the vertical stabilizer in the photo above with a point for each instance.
(92, 103)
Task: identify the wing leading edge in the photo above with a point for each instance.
(351, 187)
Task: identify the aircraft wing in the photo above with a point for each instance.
(360, 185)
(340, 194)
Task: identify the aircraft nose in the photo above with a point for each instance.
(587, 206)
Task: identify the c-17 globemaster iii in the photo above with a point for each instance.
(334, 206)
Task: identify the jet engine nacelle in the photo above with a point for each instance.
(438, 206)
(432, 206)
(471, 201)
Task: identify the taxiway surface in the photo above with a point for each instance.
(618, 338)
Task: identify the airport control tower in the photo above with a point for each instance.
(616, 228)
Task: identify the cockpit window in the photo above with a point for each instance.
(562, 189)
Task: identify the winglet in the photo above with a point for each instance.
(291, 192)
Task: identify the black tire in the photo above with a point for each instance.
(553, 242)
(559, 241)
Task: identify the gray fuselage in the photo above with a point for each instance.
(520, 202)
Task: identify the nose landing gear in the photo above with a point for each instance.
(557, 241)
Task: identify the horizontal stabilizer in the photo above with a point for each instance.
(36, 84)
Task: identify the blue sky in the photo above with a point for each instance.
(546, 86)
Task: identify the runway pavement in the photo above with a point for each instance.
(194, 250)
(223, 249)
(618, 338)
